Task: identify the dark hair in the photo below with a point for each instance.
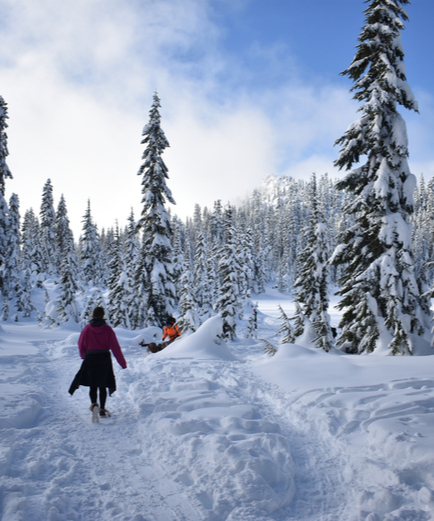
(98, 312)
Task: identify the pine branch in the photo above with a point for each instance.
(268, 348)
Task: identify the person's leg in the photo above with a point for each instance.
(93, 393)
(102, 397)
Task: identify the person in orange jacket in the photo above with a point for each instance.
(171, 331)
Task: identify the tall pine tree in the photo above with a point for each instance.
(48, 229)
(156, 252)
(311, 286)
(11, 266)
(379, 287)
(90, 250)
(228, 302)
(67, 307)
(4, 174)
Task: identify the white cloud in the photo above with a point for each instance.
(314, 164)
(78, 77)
(220, 156)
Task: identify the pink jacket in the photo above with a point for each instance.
(101, 337)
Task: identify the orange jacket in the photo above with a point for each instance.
(171, 331)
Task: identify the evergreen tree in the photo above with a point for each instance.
(132, 249)
(24, 297)
(47, 219)
(119, 285)
(229, 299)
(66, 304)
(5, 312)
(378, 284)
(4, 174)
(216, 222)
(311, 286)
(188, 319)
(155, 221)
(201, 284)
(11, 266)
(31, 255)
(62, 231)
(115, 257)
(251, 330)
(93, 299)
(213, 270)
(90, 250)
(285, 328)
(244, 254)
(178, 253)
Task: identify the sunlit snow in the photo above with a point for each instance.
(208, 431)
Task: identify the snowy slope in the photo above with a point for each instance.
(214, 432)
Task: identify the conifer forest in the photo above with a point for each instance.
(368, 236)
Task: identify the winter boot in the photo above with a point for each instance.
(95, 412)
(104, 413)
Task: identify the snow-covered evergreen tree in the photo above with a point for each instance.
(213, 270)
(245, 260)
(216, 223)
(229, 301)
(11, 266)
(24, 297)
(119, 285)
(6, 309)
(47, 219)
(63, 232)
(311, 286)
(251, 329)
(178, 253)
(188, 319)
(155, 221)
(67, 307)
(90, 250)
(93, 299)
(5, 173)
(131, 253)
(379, 287)
(201, 288)
(286, 329)
(31, 254)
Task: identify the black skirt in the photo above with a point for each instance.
(95, 371)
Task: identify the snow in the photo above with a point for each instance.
(214, 431)
(204, 344)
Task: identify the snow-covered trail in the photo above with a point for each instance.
(61, 466)
(212, 439)
(188, 439)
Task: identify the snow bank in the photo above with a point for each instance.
(204, 344)
(13, 345)
(296, 367)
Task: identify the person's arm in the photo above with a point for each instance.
(82, 343)
(116, 350)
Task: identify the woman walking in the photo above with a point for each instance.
(94, 345)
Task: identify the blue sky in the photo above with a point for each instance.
(248, 88)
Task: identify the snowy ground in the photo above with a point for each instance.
(208, 432)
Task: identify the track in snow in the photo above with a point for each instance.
(203, 440)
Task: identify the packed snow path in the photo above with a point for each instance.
(209, 439)
(188, 440)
